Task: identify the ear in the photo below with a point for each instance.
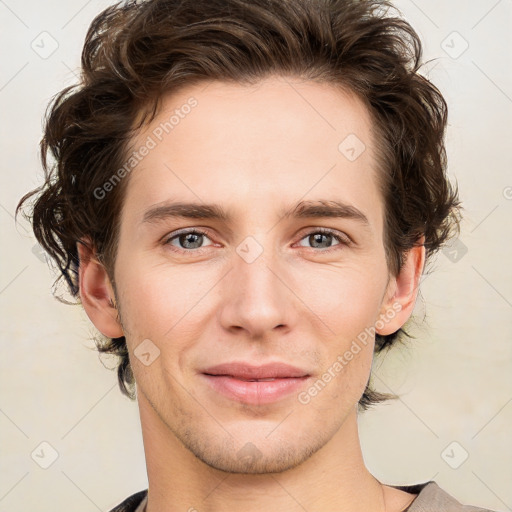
(402, 292)
(96, 292)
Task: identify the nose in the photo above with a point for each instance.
(256, 297)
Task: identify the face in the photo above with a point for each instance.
(281, 261)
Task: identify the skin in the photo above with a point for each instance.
(254, 150)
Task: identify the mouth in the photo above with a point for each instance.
(248, 380)
(255, 385)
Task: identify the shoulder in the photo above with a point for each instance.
(131, 503)
(432, 498)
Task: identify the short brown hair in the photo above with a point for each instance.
(136, 51)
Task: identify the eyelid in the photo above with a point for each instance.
(185, 231)
(329, 231)
(341, 237)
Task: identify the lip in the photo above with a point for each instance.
(247, 371)
(233, 381)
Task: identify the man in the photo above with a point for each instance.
(245, 195)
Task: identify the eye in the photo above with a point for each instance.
(192, 240)
(187, 240)
(322, 239)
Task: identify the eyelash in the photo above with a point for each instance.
(343, 240)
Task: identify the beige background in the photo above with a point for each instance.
(455, 379)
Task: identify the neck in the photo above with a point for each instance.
(334, 478)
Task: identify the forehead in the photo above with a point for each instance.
(266, 144)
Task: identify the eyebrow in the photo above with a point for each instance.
(301, 210)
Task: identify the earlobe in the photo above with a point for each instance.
(397, 308)
(96, 292)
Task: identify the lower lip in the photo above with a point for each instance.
(255, 392)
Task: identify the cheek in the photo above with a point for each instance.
(342, 381)
(162, 300)
(161, 294)
(347, 299)
(166, 305)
